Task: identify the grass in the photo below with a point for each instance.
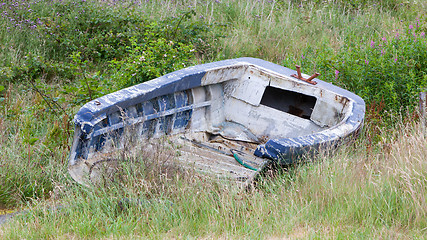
(275, 30)
(29, 146)
(375, 188)
(351, 194)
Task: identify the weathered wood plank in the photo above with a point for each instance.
(216, 158)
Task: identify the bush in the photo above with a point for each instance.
(96, 29)
(391, 70)
(387, 72)
(75, 40)
(149, 60)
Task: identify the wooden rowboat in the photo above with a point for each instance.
(230, 118)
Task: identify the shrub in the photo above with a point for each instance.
(150, 59)
(97, 29)
(388, 72)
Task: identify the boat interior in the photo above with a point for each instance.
(223, 120)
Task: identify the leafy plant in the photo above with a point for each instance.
(150, 59)
(90, 86)
(391, 69)
(387, 71)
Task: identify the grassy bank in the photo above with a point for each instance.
(57, 55)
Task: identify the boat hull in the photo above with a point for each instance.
(255, 104)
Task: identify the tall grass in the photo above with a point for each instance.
(375, 188)
(274, 30)
(353, 193)
(33, 146)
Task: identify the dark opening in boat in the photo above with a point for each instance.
(294, 103)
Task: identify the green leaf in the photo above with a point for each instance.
(1, 88)
(32, 140)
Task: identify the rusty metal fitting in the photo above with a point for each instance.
(308, 80)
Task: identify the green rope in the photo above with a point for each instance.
(242, 163)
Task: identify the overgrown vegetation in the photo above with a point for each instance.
(57, 55)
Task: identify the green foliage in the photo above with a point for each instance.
(96, 30)
(90, 86)
(150, 60)
(387, 72)
(76, 39)
(184, 29)
(391, 71)
(33, 67)
(145, 60)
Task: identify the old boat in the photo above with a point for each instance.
(229, 118)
